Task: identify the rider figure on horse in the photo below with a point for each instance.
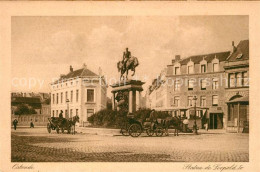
(126, 57)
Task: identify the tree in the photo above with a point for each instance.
(24, 109)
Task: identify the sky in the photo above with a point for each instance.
(45, 47)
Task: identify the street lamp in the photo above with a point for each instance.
(67, 101)
(195, 131)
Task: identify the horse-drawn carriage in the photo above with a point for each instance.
(62, 124)
(135, 127)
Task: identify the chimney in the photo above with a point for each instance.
(234, 47)
(71, 69)
(177, 57)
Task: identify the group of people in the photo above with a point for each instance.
(15, 122)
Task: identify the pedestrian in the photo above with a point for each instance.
(15, 122)
(31, 124)
(186, 123)
(61, 114)
(206, 125)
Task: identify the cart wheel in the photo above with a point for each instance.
(159, 132)
(49, 128)
(58, 130)
(124, 130)
(135, 130)
(149, 132)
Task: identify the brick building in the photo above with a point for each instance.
(208, 78)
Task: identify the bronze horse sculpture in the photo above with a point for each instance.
(131, 64)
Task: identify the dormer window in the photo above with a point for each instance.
(203, 66)
(177, 70)
(215, 65)
(190, 67)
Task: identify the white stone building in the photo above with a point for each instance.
(80, 92)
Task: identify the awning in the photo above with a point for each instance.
(239, 99)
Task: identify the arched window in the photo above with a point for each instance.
(190, 67)
(215, 65)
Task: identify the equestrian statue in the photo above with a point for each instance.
(128, 63)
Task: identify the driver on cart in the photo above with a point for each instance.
(61, 117)
(152, 119)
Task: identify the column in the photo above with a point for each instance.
(130, 102)
(113, 101)
(137, 101)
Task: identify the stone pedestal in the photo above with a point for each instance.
(133, 89)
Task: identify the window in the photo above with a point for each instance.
(90, 112)
(190, 99)
(66, 95)
(203, 101)
(245, 79)
(215, 84)
(77, 95)
(190, 69)
(239, 79)
(177, 85)
(57, 113)
(71, 96)
(215, 67)
(90, 95)
(53, 98)
(53, 113)
(177, 71)
(203, 84)
(77, 112)
(232, 80)
(190, 84)
(61, 97)
(177, 101)
(57, 98)
(66, 112)
(71, 113)
(203, 68)
(71, 83)
(215, 100)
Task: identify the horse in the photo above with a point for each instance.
(174, 122)
(132, 63)
(72, 122)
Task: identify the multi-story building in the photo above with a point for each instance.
(237, 90)
(80, 92)
(210, 78)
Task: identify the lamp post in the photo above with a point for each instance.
(195, 131)
(67, 101)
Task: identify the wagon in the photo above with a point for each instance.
(56, 123)
(135, 127)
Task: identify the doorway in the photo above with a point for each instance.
(216, 121)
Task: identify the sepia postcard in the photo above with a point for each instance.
(129, 86)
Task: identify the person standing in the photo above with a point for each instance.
(15, 122)
(31, 124)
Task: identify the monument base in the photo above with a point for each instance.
(133, 89)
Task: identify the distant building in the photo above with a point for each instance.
(80, 92)
(36, 101)
(212, 78)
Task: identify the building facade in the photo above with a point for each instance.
(80, 92)
(210, 79)
(237, 90)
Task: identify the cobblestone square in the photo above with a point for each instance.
(36, 145)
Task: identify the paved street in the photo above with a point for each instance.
(36, 145)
